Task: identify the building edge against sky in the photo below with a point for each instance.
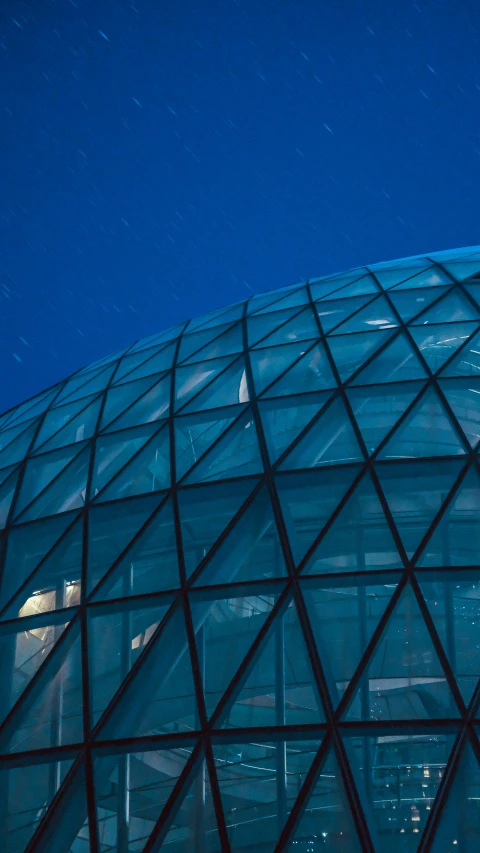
(239, 579)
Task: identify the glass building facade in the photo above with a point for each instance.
(240, 580)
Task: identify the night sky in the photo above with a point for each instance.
(161, 158)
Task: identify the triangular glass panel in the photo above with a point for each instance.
(28, 410)
(39, 472)
(192, 343)
(377, 408)
(25, 651)
(228, 343)
(327, 814)
(312, 372)
(56, 583)
(55, 419)
(250, 552)
(34, 407)
(259, 783)
(398, 362)
(468, 253)
(456, 538)
(426, 431)
(152, 406)
(15, 442)
(225, 629)
(280, 688)
(131, 792)
(463, 398)
(9, 434)
(415, 491)
(268, 364)
(284, 419)
(52, 714)
(85, 384)
(324, 287)
(263, 300)
(331, 440)
(101, 362)
(259, 326)
(145, 363)
(438, 343)
(66, 492)
(128, 628)
(148, 471)
(359, 538)
(236, 454)
(195, 434)
(344, 614)
(7, 491)
(111, 528)
(228, 389)
(302, 327)
(193, 826)
(390, 277)
(404, 679)
(334, 312)
(350, 352)
(360, 287)
(467, 361)
(27, 792)
(453, 600)
(149, 565)
(453, 308)
(459, 819)
(161, 696)
(121, 397)
(134, 360)
(473, 290)
(5, 472)
(308, 500)
(163, 337)
(460, 270)
(205, 512)
(112, 452)
(431, 277)
(192, 378)
(409, 303)
(219, 317)
(384, 769)
(27, 545)
(377, 315)
(295, 297)
(77, 429)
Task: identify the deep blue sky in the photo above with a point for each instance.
(161, 158)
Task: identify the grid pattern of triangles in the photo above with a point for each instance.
(240, 580)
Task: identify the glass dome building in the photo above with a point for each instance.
(240, 580)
